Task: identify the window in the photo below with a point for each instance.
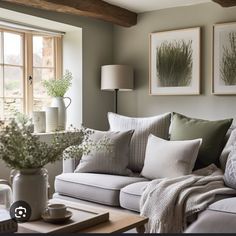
(26, 59)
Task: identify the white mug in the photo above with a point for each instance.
(56, 210)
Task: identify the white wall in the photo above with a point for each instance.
(72, 60)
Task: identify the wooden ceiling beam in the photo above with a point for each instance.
(226, 3)
(90, 8)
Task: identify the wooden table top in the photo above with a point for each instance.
(118, 221)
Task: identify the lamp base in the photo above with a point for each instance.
(116, 100)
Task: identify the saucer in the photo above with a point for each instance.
(47, 218)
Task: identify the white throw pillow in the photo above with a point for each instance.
(167, 159)
(227, 149)
(143, 127)
(230, 170)
(114, 161)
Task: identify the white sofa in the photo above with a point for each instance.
(125, 192)
(112, 190)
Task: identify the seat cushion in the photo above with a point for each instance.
(131, 194)
(220, 217)
(224, 205)
(100, 188)
(213, 222)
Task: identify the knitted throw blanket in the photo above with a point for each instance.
(168, 202)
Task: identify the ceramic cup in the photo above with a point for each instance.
(39, 121)
(56, 210)
(51, 119)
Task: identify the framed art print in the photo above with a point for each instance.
(224, 59)
(175, 62)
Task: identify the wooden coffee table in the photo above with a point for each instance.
(118, 222)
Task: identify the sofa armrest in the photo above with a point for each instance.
(70, 162)
(69, 165)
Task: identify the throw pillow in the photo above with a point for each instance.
(230, 170)
(169, 158)
(212, 134)
(227, 149)
(114, 161)
(157, 125)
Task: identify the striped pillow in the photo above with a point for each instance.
(143, 127)
(114, 161)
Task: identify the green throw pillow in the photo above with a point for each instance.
(212, 134)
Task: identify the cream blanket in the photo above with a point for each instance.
(168, 202)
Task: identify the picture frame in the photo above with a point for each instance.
(174, 64)
(224, 59)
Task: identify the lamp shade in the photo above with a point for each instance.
(117, 77)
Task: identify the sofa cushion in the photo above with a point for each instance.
(169, 158)
(212, 134)
(227, 149)
(113, 161)
(230, 170)
(131, 194)
(224, 205)
(220, 217)
(157, 125)
(100, 188)
(213, 222)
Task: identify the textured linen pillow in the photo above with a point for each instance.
(212, 134)
(157, 125)
(227, 149)
(230, 170)
(114, 161)
(169, 158)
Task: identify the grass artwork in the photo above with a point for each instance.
(174, 63)
(228, 62)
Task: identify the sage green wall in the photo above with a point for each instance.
(131, 46)
(97, 42)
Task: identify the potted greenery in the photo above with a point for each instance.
(57, 88)
(22, 151)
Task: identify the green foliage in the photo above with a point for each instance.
(174, 63)
(21, 149)
(58, 88)
(22, 118)
(228, 63)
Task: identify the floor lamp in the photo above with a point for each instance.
(117, 78)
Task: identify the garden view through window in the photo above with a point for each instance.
(26, 59)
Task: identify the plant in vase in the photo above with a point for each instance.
(22, 151)
(57, 89)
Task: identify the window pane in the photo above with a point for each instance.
(40, 104)
(13, 49)
(1, 81)
(1, 109)
(13, 81)
(38, 76)
(1, 55)
(43, 51)
(11, 106)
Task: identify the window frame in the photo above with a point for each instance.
(27, 63)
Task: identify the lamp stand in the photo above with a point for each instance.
(116, 99)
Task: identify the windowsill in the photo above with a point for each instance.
(51, 133)
(48, 137)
